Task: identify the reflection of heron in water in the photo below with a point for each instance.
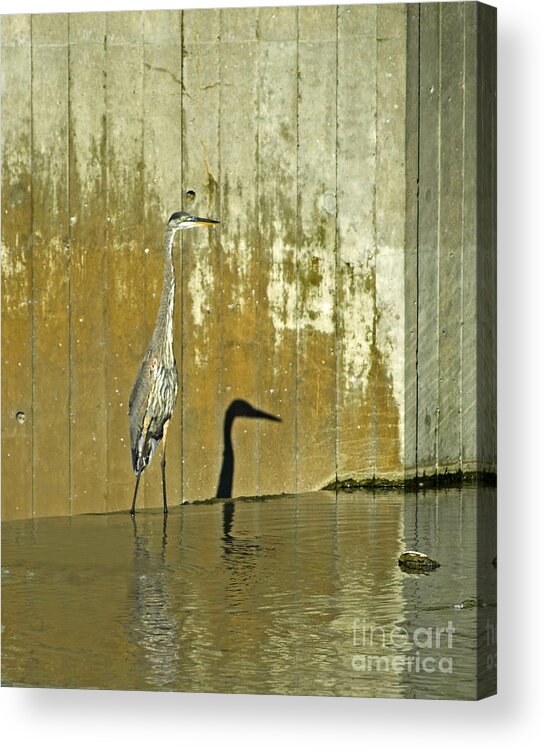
(237, 408)
(153, 625)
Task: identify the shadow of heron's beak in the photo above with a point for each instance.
(259, 414)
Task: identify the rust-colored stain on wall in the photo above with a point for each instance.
(290, 125)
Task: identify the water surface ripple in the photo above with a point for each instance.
(293, 595)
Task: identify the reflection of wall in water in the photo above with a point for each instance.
(372, 602)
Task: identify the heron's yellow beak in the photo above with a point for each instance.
(200, 221)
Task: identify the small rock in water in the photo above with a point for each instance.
(417, 561)
(469, 603)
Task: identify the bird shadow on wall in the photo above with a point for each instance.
(237, 409)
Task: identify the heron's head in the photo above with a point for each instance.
(183, 220)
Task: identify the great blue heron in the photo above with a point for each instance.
(153, 397)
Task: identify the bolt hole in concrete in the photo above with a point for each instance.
(330, 204)
(190, 195)
(21, 417)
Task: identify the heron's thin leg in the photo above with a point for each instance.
(135, 494)
(164, 537)
(163, 462)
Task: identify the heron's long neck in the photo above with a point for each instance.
(163, 333)
(225, 481)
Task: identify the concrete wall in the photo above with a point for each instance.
(347, 152)
(450, 290)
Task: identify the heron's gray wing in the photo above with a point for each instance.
(138, 406)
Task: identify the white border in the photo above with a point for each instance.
(64, 718)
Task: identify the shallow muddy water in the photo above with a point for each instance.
(293, 595)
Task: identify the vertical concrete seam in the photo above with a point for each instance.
(257, 103)
(69, 264)
(142, 191)
(181, 262)
(462, 249)
(418, 238)
(438, 238)
(105, 278)
(336, 266)
(478, 135)
(374, 254)
(30, 247)
(142, 203)
(107, 237)
(218, 199)
(297, 249)
(221, 257)
(260, 243)
(493, 256)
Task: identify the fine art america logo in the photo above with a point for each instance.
(398, 649)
